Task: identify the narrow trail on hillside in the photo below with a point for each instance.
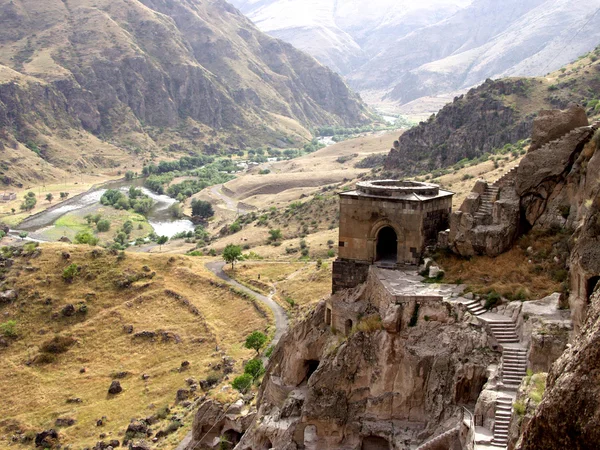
(281, 319)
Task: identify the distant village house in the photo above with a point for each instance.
(6, 197)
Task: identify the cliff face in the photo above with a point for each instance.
(152, 70)
(473, 124)
(491, 116)
(374, 386)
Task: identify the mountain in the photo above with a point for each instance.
(137, 76)
(401, 53)
(492, 115)
(341, 34)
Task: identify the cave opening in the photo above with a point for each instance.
(591, 286)
(311, 366)
(230, 439)
(375, 443)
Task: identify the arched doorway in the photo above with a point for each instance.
(387, 245)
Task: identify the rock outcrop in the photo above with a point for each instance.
(376, 385)
(547, 189)
(569, 413)
(472, 125)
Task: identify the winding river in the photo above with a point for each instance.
(159, 216)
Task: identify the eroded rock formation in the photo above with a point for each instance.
(548, 188)
(377, 385)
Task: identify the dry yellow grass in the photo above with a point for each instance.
(516, 274)
(203, 317)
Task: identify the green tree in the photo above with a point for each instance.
(103, 225)
(231, 254)
(202, 209)
(128, 227)
(70, 273)
(2, 234)
(161, 241)
(13, 210)
(176, 211)
(275, 235)
(129, 175)
(242, 383)
(64, 195)
(256, 341)
(49, 197)
(255, 368)
(29, 202)
(23, 234)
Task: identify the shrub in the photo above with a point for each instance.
(254, 368)
(235, 227)
(492, 299)
(243, 383)
(85, 237)
(519, 407)
(9, 328)
(331, 253)
(269, 351)
(103, 225)
(70, 273)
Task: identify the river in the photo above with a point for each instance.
(159, 216)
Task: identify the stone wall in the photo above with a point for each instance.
(348, 274)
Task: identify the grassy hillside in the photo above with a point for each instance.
(495, 114)
(54, 353)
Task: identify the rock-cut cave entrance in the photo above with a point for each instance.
(230, 439)
(591, 286)
(375, 443)
(310, 366)
(387, 246)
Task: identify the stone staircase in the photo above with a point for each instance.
(483, 215)
(514, 366)
(475, 308)
(504, 331)
(502, 421)
(436, 441)
(508, 178)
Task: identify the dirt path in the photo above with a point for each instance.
(281, 320)
(230, 203)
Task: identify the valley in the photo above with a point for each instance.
(209, 241)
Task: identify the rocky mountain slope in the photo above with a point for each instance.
(146, 74)
(436, 47)
(493, 115)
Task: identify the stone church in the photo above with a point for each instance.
(387, 223)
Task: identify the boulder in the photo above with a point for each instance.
(137, 427)
(68, 310)
(182, 394)
(115, 388)
(46, 439)
(140, 445)
(8, 296)
(64, 422)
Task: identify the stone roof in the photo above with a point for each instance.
(396, 190)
